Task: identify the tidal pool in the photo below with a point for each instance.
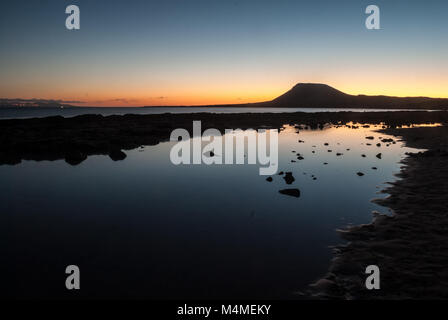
(145, 228)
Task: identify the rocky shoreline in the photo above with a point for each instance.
(410, 246)
(76, 138)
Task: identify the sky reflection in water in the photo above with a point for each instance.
(143, 227)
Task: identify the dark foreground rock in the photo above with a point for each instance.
(411, 246)
(291, 192)
(289, 178)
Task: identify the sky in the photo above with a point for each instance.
(196, 52)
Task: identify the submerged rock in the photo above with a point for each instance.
(300, 158)
(291, 192)
(363, 155)
(374, 168)
(378, 155)
(269, 179)
(360, 174)
(289, 178)
(280, 173)
(370, 137)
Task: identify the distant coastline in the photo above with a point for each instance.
(302, 95)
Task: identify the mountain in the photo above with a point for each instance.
(316, 95)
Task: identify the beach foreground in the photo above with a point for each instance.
(410, 247)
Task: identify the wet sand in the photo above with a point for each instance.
(411, 246)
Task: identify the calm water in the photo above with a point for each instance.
(143, 227)
(30, 112)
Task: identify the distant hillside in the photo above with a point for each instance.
(314, 95)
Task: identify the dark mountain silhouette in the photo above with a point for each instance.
(315, 95)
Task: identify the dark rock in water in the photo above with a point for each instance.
(363, 155)
(300, 158)
(326, 144)
(117, 155)
(330, 150)
(280, 173)
(301, 141)
(374, 168)
(378, 144)
(378, 155)
(338, 154)
(293, 160)
(314, 178)
(325, 163)
(387, 140)
(360, 174)
(289, 178)
(370, 137)
(75, 157)
(211, 154)
(348, 149)
(293, 151)
(313, 151)
(269, 179)
(291, 192)
(368, 144)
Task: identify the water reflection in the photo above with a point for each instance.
(144, 227)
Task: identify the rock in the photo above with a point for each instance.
(314, 178)
(348, 149)
(387, 140)
(300, 158)
(269, 179)
(368, 144)
(291, 192)
(301, 141)
(330, 150)
(363, 155)
(374, 168)
(370, 137)
(378, 155)
(326, 144)
(313, 151)
(280, 173)
(289, 178)
(338, 154)
(360, 174)
(378, 144)
(117, 155)
(325, 163)
(293, 160)
(75, 157)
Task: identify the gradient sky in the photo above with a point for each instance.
(190, 52)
